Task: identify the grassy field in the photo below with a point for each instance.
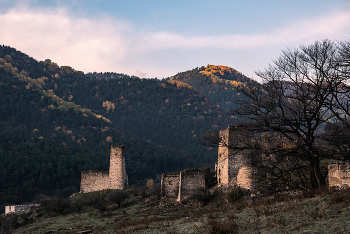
(304, 213)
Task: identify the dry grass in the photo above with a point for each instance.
(317, 213)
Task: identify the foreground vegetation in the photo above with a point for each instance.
(225, 212)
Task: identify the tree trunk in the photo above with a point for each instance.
(316, 178)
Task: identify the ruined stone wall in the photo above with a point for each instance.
(191, 180)
(92, 181)
(339, 175)
(117, 178)
(233, 168)
(117, 170)
(170, 184)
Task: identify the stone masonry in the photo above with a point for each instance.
(116, 179)
(191, 181)
(93, 181)
(117, 171)
(170, 184)
(339, 175)
(233, 168)
(182, 185)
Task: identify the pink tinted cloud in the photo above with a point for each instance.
(78, 42)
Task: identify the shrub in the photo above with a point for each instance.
(77, 206)
(210, 177)
(235, 194)
(204, 196)
(340, 196)
(97, 200)
(262, 210)
(8, 222)
(149, 184)
(214, 226)
(134, 191)
(143, 193)
(317, 214)
(57, 204)
(157, 191)
(118, 196)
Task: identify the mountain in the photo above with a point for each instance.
(218, 83)
(56, 122)
(45, 142)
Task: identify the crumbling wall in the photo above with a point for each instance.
(170, 185)
(117, 178)
(233, 168)
(92, 181)
(339, 175)
(191, 180)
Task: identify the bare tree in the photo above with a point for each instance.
(294, 102)
(344, 56)
(271, 154)
(339, 103)
(338, 130)
(303, 91)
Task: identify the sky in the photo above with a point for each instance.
(159, 38)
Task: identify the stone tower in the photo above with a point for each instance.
(117, 171)
(233, 168)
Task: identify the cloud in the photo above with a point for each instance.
(334, 25)
(109, 44)
(78, 42)
(140, 74)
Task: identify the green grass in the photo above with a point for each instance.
(323, 213)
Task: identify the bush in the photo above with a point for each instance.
(235, 194)
(157, 191)
(150, 184)
(340, 196)
(134, 191)
(8, 222)
(57, 205)
(118, 196)
(210, 177)
(77, 206)
(143, 193)
(97, 200)
(215, 226)
(204, 196)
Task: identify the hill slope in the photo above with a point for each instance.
(218, 83)
(46, 142)
(56, 121)
(325, 213)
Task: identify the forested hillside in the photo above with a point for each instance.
(218, 83)
(56, 122)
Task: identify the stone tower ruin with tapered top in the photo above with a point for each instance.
(233, 167)
(116, 179)
(117, 171)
